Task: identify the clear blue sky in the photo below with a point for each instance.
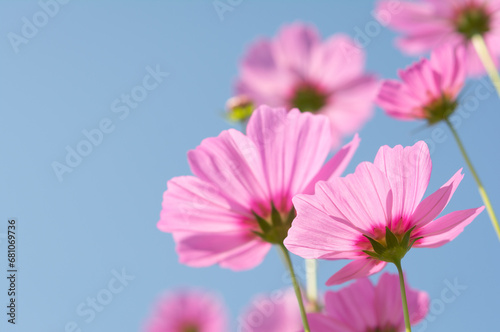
(66, 78)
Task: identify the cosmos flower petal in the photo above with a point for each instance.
(322, 323)
(316, 235)
(190, 204)
(446, 228)
(188, 308)
(283, 140)
(205, 249)
(358, 268)
(336, 165)
(294, 46)
(345, 305)
(435, 203)
(388, 300)
(338, 60)
(408, 171)
(362, 306)
(231, 163)
(278, 311)
(349, 110)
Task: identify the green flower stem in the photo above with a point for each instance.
(296, 287)
(312, 282)
(403, 296)
(482, 191)
(485, 56)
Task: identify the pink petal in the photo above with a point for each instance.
(336, 165)
(314, 234)
(190, 204)
(358, 268)
(278, 311)
(231, 163)
(234, 250)
(322, 323)
(337, 61)
(353, 305)
(408, 171)
(396, 102)
(283, 140)
(388, 302)
(361, 200)
(351, 104)
(450, 63)
(294, 46)
(188, 307)
(435, 203)
(446, 228)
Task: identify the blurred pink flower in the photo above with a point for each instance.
(188, 311)
(361, 306)
(297, 70)
(335, 222)
(278, 311)
(428, 88)
(427, 24)
(216, 214)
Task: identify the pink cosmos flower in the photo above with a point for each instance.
(361, 306)
(428, 88)
(427, 24)
(379, 206)
(239, 200)
(297, 70)
(278, 311)
(188, 311)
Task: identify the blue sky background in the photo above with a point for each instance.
(102, 216)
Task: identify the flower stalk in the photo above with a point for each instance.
(482, 190)
(488, 63)
(403, 296)
(296, 287)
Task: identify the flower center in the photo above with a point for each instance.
(391, 247)
(308, 98)
(190, 328)
(440, 109)
(471, 20)
(383, 329)
(274, 229)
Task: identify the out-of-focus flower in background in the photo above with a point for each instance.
(189, 310)
(428, 88)
(427, 24)
(297, 69)
(362, 306)
(277, 311)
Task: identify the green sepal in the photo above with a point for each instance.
(377, 247)
(372, 254)
(390, 238)
(264, 225)
(275, 216)
(406, 237)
